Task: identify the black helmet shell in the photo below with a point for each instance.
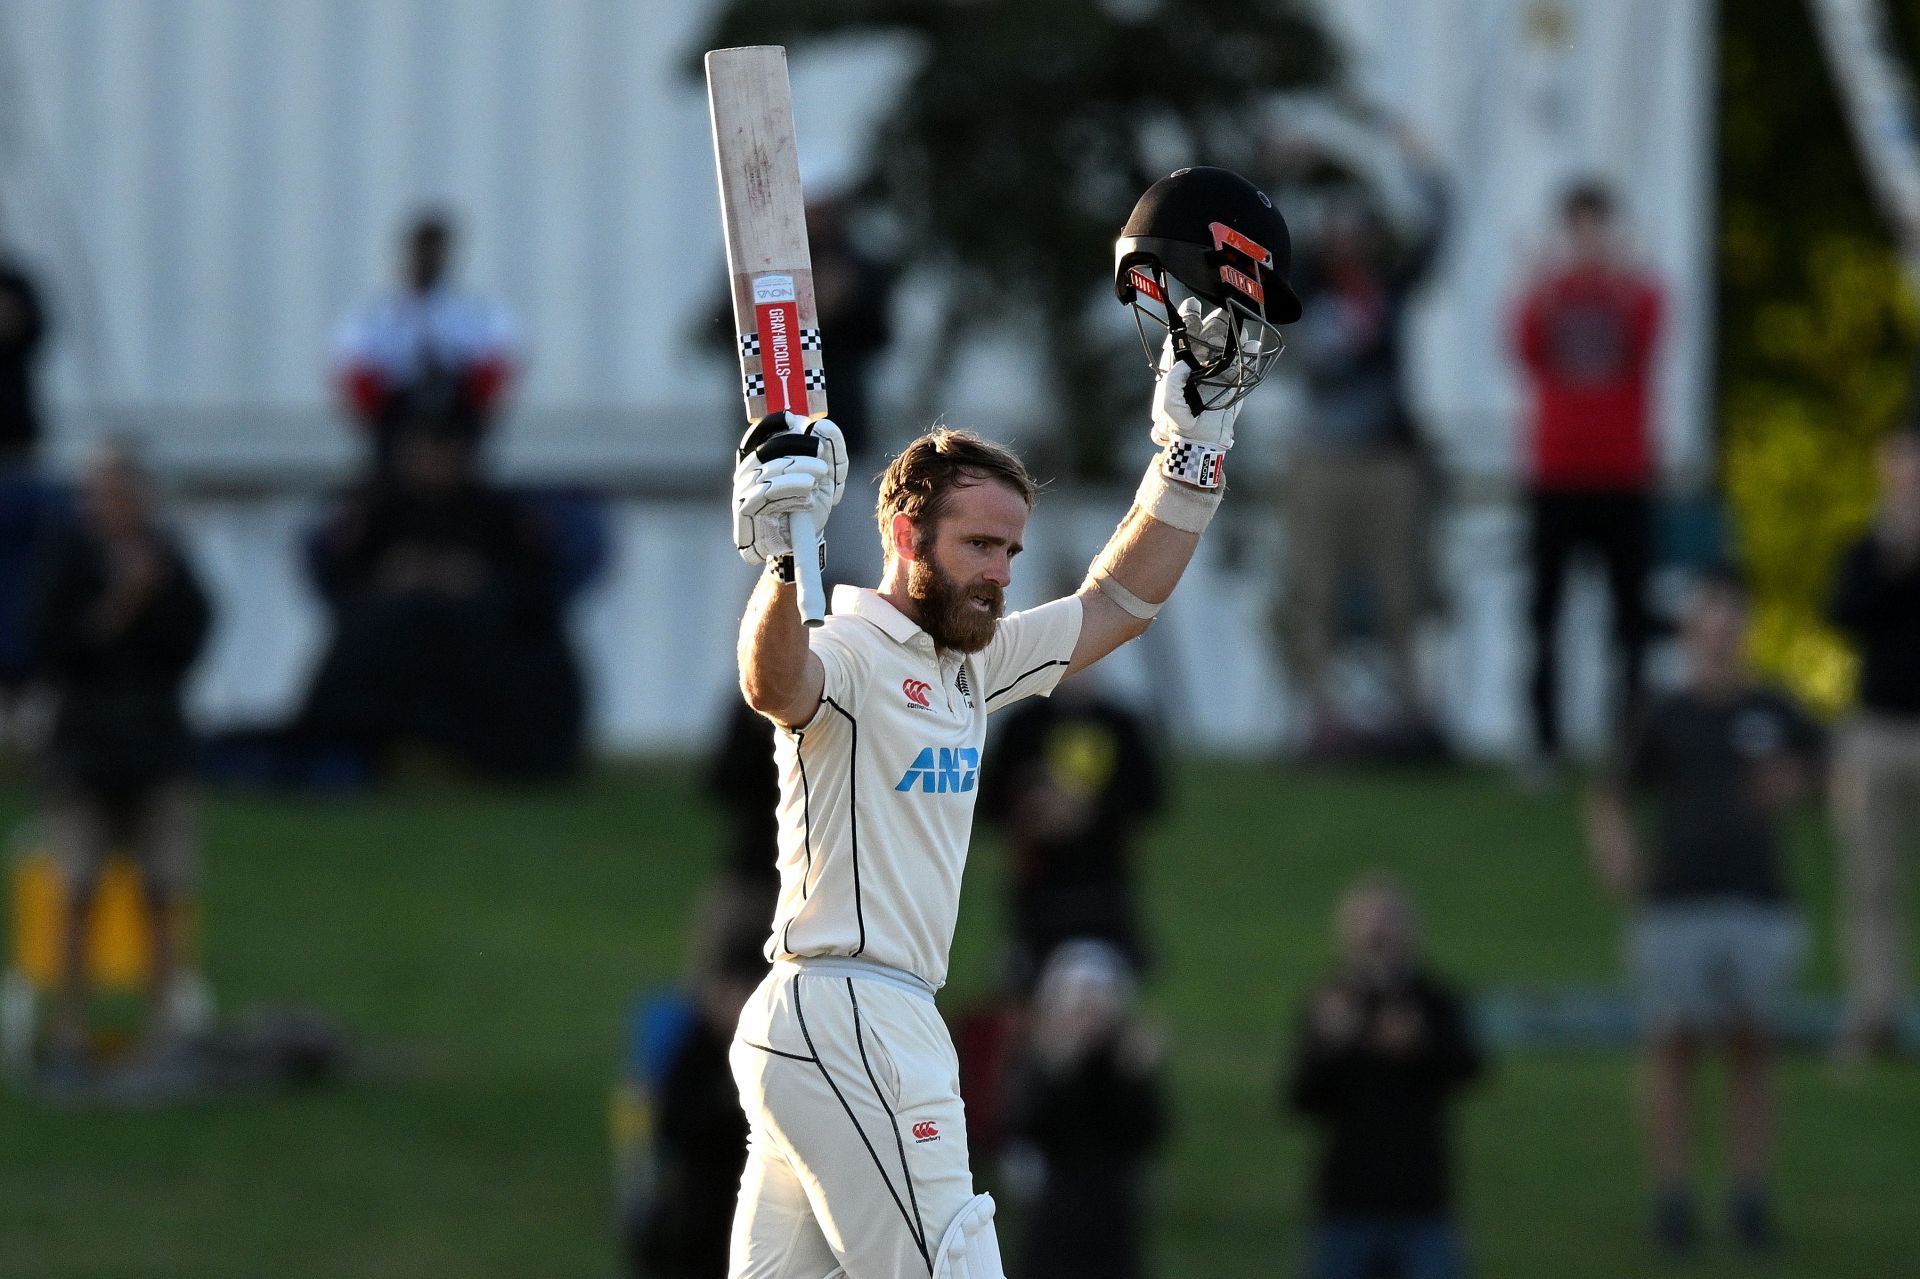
(1218, 235)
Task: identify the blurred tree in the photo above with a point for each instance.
(1023, 136)
(1817, 330)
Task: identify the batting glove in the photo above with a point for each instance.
(784, 464)
(1194, 442)
(1174, 417)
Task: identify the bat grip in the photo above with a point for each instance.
(806, 567)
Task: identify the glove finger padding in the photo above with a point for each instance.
(831, 446)
(766, 492)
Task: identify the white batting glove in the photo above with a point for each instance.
(1174, 418)
(786, 464)
(1194, 442)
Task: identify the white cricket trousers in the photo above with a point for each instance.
(857, 1141)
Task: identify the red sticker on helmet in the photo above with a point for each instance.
(1245, 283)
(1144, 283)
(1225, 237)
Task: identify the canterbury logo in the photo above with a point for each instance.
(925, 1131)
(943, 772)
(916, 691)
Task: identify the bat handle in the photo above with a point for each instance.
(806, 567)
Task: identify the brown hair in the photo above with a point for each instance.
(919, 481)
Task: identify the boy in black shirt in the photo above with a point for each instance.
(1714, 942)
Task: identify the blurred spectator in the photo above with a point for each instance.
(23, 327)
(1715, 943)
(425, 350)
(1087, 1105)
(118, 619)
(701, 1132)
(24, 500)
(1877, 763)
(1356, 495)
(735, 910)
(1071, 781)
(448, 625)
(1382, 1049)
(1586, 333)
(853, 291)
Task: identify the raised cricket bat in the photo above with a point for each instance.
(768, 262)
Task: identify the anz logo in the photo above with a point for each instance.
(943, 771)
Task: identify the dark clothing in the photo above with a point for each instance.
(1878, 606)
(1716, 839)
(701, 1151)
(483, 669)
(119, 722)
(1351, 338)
(1076, 881)
(1384, 1112)
(1095, 1124)
(19, 412)
(1616, 527)
(744, 783)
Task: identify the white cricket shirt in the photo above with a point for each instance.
(877, 790)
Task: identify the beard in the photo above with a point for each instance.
(949, 611)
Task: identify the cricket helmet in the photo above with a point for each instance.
(1219, 238)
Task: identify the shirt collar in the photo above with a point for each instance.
(870, 604)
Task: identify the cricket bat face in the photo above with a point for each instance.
(764, 215)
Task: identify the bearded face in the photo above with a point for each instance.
(960, 616)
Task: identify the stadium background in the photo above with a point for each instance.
(206, 185)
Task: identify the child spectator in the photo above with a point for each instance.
(117, 621)
(1075, 778)
(1382, 1050)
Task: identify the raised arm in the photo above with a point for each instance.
(779, 675)
(1146, 555)
(1144, 558)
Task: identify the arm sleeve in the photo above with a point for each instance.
(1316, 1081)
(174, 625)
(1029, 652)
(1453, 1053)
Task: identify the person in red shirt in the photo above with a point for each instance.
(1585, 334)
(425, 349)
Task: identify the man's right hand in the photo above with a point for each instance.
(785, 464)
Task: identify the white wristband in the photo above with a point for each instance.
(1180, 505)
(1108, 586)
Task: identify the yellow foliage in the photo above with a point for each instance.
(1798, 440)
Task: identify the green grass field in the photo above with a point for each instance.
(483, 948)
